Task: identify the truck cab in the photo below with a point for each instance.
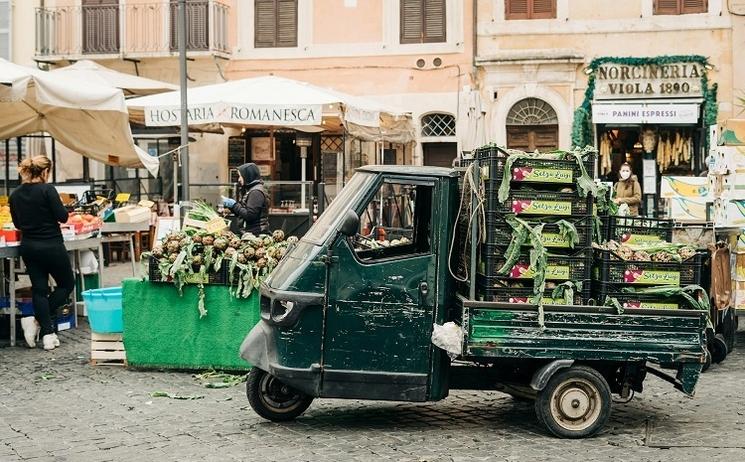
(349, 311)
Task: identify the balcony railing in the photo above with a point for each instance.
(131, 29)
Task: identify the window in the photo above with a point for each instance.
(100, 26)
(680, 6)
(530, 9)
(438, 124)
(275, 23)
(197, 25)
(5, 29)
(423, 21)
(532, 125)
(396, 221)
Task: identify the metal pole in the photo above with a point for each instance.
(7, 167)
(184, 152)
(303, 158)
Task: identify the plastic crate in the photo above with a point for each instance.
(634, 230)
(499, 231)
(490, 289)
(610, 268)
(104, 308)
(541, 203)
(575, 267)
(215, 278)
(630, 300)
(532, 170)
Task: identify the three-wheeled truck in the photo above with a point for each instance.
(349, 313)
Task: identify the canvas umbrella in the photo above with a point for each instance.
(86, 117)
(132, 85)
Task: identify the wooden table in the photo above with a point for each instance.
(76, 246)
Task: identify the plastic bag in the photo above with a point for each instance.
(448, 337)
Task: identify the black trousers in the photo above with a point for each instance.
(44, 258)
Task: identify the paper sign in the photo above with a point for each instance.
(650, 176)
(122, 197)
(215, 225)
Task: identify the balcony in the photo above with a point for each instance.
(133, 29)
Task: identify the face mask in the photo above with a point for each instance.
(625, 174)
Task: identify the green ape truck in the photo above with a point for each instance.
(349, 313)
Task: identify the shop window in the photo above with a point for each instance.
(396, 222)
(423, 21)
(530, 9)
(438, 124)
(532, 125)
(275, 23)
(664, 7)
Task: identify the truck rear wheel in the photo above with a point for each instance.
(272, 399)
(575, 403)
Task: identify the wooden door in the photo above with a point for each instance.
(530, 138)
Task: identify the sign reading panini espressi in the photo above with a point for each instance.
(296, 114)
(682, 113)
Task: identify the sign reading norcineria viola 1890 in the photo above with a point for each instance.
(673, 80)
(164, 116)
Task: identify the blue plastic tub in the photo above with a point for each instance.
(104, 309)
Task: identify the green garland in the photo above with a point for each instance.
(582, 123)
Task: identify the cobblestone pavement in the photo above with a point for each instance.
(54, 406)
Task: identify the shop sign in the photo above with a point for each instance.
(260, 114)
(675, 80)
(645, 113)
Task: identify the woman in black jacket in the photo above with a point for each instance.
(252, 208)
(37, 212)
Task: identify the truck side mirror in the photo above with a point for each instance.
(350, 224)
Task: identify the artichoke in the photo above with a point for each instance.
(234, 243)
(292, 240)
(208, 239)
(261, 263)
(278, 235)
(260, 252)
(268, 241)
(221, 243)
(241, 259)
(157, 251)
(247, 237)
(197, 238)
(173, 247)
(249, 252)
(641, 255)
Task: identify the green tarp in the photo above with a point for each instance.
(164, 330)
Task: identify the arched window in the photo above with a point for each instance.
(438, 124)
(532, 125)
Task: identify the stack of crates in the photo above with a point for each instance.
(541, 191)
(613, 276)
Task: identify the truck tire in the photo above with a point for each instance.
(707, 360)
(718, 349)
(272, 399)
(575, 403)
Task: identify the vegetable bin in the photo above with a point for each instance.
(104, 309)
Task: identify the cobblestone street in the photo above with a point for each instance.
(55, 406)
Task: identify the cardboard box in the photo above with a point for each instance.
(739, 289)
(689, 187)
(684, 209)
(732, 133)
(68, 199)
(729, 212)
(131, 214)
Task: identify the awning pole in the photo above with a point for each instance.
(184, 152)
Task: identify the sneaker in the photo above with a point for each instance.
(48, 341)
(30, 330)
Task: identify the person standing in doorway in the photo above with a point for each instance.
(37, 212)
(628, 190)
(252, 207)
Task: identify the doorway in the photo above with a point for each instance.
(439, 154)
(532, 125)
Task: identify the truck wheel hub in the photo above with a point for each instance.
(575, 404)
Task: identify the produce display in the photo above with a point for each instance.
(203, 216)
(653, 251)
(83, 223)
(194, 256)
(673, 149)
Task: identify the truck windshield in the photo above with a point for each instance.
(332, 216)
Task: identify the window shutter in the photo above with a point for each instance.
(693, 6)
(412, 21)
(543, 9)
(197, 26)
(265, 24)
(517, 9)
(435, 28)
(666, 7)
(286, 23)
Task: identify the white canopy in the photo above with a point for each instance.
(89, 71)
(87, 117)
(275, 101)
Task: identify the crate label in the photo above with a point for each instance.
(652, 277)
(539, 207)
(630, 238)
(542, 175)
(524, 271)
(544, 300)
(197, 278)
(556, 240)
(650, 305)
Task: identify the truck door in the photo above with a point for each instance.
(381, 297)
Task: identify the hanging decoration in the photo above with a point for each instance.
(582, 123)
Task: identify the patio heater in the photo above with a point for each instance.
(304, 141)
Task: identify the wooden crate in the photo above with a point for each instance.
(107, 350)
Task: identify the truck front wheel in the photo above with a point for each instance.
(272, 399)
(575, 403)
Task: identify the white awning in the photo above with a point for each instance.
(679, 111)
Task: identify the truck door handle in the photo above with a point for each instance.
(423, 288)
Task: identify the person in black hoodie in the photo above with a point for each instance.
(37, 212)
(252, 207)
